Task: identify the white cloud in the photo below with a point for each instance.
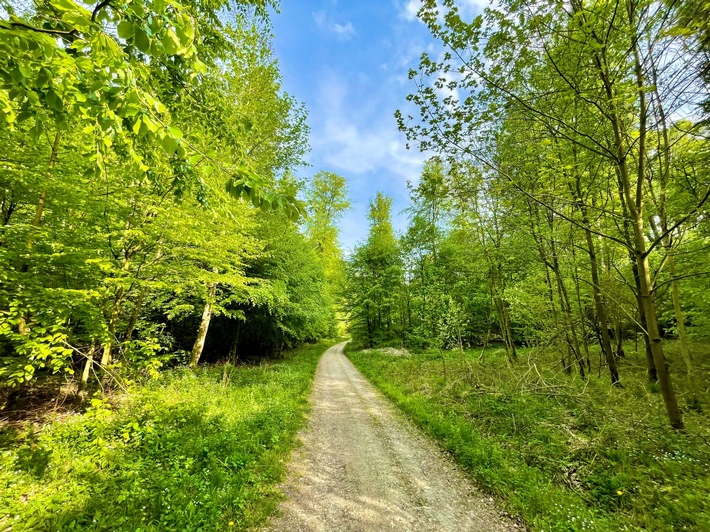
(356, 139)
(345, 31)
(468, 8)
(357, 148)
(409, 9)
(473, 6)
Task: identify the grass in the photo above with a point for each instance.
(179, 453)
(563, 454)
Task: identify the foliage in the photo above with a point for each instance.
(293, 304)
(146, 153)
(567, 137)
(374, 279)
(181, 452)
(327, 197)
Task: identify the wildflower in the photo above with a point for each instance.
(619, 492)
(231, 523)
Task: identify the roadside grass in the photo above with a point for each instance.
(182, 452)
(563, 454)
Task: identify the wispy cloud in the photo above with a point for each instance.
(408, 9)
(344, 31)
(355, 138)
(356, 142)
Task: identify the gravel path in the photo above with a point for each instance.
(363, 466)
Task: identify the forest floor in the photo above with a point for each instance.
(563, 453)
(186, 451)
(363, 466)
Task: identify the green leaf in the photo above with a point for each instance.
(171, 43)
(170, 144)
(185, 32)
(175, 132)
(125, 29)
(141, 40)
(151, 124)
(64, 5)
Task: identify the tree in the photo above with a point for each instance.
(128, 224)
(582, 74)
(327, 201)
(374, 281)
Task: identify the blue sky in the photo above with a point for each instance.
(348, 62)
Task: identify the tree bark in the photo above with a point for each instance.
(204, 326)
(113, 320)
(83, 383)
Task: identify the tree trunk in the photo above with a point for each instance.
(632, 196)
(599, 308)
(37, 220)
(88, 363)
(678, 311)
(570, 329)
(113, 320)
(664, 148)
(41, 203)
(134, 316)
(204, 326)
(650, 363)
(504, 318)
(580, 309)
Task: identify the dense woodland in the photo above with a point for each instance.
(550, 289)
(566, 205)
(148, 205)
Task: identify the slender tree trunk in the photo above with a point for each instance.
(503, 316)
(664, 159)
(204, 326)
(134, 316)
(650, 363)
(42, 202)
(232, 358)
(635, 207)
(570, 329)
(599, 307)
(580, 309)
(83, 383)
(112, 321)
(679, 317)
(23, 328)
(235, 344)
(633, 197)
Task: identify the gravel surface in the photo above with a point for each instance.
(363, 466)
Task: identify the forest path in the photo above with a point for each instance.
(363, 466)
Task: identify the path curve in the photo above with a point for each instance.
(363, 466)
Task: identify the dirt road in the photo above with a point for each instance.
(364, 467)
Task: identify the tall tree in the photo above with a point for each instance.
(374, 280)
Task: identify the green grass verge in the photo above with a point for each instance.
(562, 454)
(180, 453)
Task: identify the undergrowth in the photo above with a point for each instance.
(181, 453)
(563, 454)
